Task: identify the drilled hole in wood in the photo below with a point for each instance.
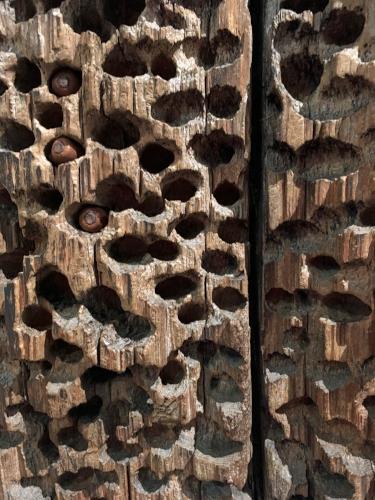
(15, 136)
(115, 193)
(47, 197)
(119, 451)
(172, 373)
(191, 312)
(86, 17)
(37, 317)
(24, 9)
(54, 287)
(11, 263)
(180, 186)
(149, 481)
(211, 441)
(227, 194)
(105, 306)
(223, 49)
(87, 411)
(116, 132)
(367, 216)
(345, 308)
(228, 298)
(301, 5)
(152, 205)
(63, 150)
(129, 249)
(68, 353)
(87, 479)
(163, 250)
(175, 287)
(224, 389)
(324, 263)
(163, 66)
(123, 60)
(179, 108)
(3, 88)
(219, 262)
(154, 158)
(224, 102)
(48, 448)
(27, 76)
(301, 74)
(65, 81)
(343, 26)
(70, 436)
(124, 12)
(97, 375)
(192, 225)
(216, 148)
(50, 115)
(233, 230)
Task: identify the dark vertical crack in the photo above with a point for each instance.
(256, 236)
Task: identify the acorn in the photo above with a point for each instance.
(92, 219)
(64, 150)
(65, 82)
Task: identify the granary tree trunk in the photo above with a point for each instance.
(142, 238)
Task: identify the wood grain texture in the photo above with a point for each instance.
(318, 342)
(125, 352)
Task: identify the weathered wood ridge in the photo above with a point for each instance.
(124, 345)
(319, 328)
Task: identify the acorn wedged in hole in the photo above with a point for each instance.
(64, 150)
(92, 219)
(65, 82)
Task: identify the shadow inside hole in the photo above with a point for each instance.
(70, 436)
(163, 66)
(224, 389)
(343, 26)
(367, 216)
(191, 312)
(163, 250)
(50, 115)
(68, 353)
(227, 194)
(172, 373)
(180, 186)
(224, 102)
(129, 249)
(11, 263)
(115, 193)
(192, 225)
(233, 230)
(87, 479)
(301, 74)
(116, 132)
(154, 158)
(152, 205)
(88, 411)
(219, 262)
(24, 9)
(228, 298)
(37, 317)
(105, 306)
(3, 88)
(175, 287)
(54, 287)
(127, 13)
(86, 17)
(123, 60)
(27, 76)
(15, 136)
(300, 5)
(47, 197)
(178, 108)
(149, 482)
(215, 148)
(48, 448)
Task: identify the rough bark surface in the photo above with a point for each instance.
(125, 353)
(318, 342)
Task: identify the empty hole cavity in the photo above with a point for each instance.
(37, 317)
(116, 132)
(27, 76)
(172, 373)
(14, 136)
(301, 74)
(154, 158)
(228, 298)
(180, 186)
(344, 307)
(179, 108)
(54, 287)
(343, 26)
(191, 226)
(215, 149)
(191, 312)
(367, 216)
(68, 353)
(163, 250)
(24, 9)
(50, 115)
(70, 436)
(163, 66)
(115, 193)
(175, 287)
(47, 197)
(123, 60)
(219, 262)
(127, 13)
(128, 249)
(227, 194)
(301, 5)
(233, 230)
(86, 17)
(224, 102)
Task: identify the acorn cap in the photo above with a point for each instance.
(64, 150)
(65, 82)
(92, 219)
